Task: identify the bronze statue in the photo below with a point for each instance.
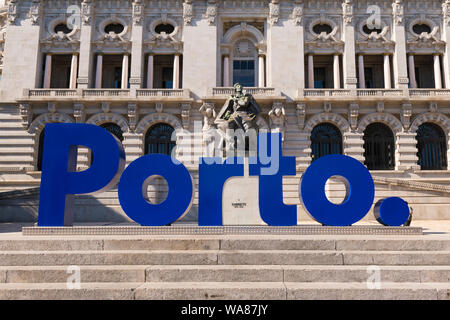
(239, 111)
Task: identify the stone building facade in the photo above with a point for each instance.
(368, 78)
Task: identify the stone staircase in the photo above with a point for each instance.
(225, 267)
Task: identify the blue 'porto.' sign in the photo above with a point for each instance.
(60, 182)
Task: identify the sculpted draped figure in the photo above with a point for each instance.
(238, 117)
(240, 111)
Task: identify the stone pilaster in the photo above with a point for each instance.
(86, 61)
(348, 36)
(137, 61)
(398, 35)
(406, 151)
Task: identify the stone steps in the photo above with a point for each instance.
(227, 257)
(223, 273)
(225, 291)
(225, 267)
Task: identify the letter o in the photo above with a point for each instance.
(392, 211)
(179, 198)
(360, 190)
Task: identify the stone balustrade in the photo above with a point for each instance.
(101, 94)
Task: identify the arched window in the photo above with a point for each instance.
(244, 63)
(40, 150)
(325, 139)
(432, 147)
(159, 139)
(114, 129)
(379, 147)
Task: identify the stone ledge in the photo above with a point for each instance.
(244, 230)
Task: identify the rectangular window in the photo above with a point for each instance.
(167, 78)
(319, 78)
(244, 72)
(368, 75)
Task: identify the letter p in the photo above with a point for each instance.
(60, 181)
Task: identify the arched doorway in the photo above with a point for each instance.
(379, 147)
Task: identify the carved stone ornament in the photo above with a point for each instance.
(406, 114)
(132, 115)
(86, 12)
(347, 12)
(446, 12)
(12, 11)
(185, 114)
(297, 12)
(26, 114)
(211, 12)
(353, 114)
(34, 13)
(79, 112)
(301, 115)
(397, 12)
(138, 12)
(188, 12)
(274, 12)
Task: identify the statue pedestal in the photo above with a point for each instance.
(240, 205)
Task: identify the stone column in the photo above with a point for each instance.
(150, 71)
(125, 72)
(98, 72)
(73, 72)
(176, 71)
(47, 71)
(310, 71)
(437, 71)
(336, 72)
(226, 71)
(362, 76)
(412, 71)
(261, 73)
(387, 72)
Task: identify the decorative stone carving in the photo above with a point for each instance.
(132, 115)
(380, 106)
(26, 114)
(51, 106)
(34, 12)
(278, 118)
(301, 115)
(446, 12)
(211, 12)
(327, 107)
(159, 107)
(106, 107)
(433, 107)
(297, 12)
(274, 12)
(86, 12)
(185, 114)
(406, 114)
(347, 12)
(138, 12)
(397, 12)
(79, 112)
(188, 12)
(12, 11)
(353, 113)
